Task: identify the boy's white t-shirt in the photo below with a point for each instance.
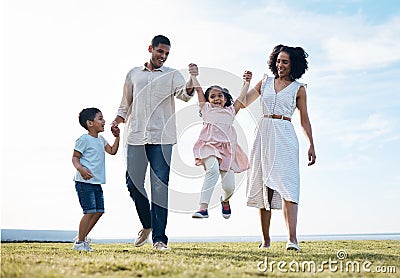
(93, 158)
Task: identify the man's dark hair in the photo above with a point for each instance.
(87, 114)
(160, 39)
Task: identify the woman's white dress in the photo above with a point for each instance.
(274, 159)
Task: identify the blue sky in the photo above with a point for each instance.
(61, 56)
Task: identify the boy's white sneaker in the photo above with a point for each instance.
(83, 246)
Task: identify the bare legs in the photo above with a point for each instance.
(290, 215)
(265, 216)
(87, 223)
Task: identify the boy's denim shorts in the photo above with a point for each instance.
(90, 197)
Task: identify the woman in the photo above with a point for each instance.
(274, 179)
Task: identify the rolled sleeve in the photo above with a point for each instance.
(185, 96)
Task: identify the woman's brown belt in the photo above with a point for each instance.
(277, 117)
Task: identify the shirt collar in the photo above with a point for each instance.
(144, 68)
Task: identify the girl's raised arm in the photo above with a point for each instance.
(240, 102)
(194, 71)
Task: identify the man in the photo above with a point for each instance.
(148, 108)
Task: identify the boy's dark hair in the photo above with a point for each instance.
(229, 99)
(160, 39)
(297, 57)
(87, 114)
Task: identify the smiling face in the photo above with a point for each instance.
(97, 125)
(159, 55)
(283, 65)
(216, 98)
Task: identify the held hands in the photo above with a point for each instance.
(247, 75)
(193, 69)
(114, 123)
(115, 130)
(194, 72)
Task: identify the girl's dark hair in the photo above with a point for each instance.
(87, 114)
(229, 99)
(297, 57)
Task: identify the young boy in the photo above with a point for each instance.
(89, 161)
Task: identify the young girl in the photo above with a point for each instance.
(217, 148)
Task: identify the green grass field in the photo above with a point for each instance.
(233, 259)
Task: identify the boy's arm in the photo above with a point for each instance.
(85, 173)
(240, 102)
(114, 148)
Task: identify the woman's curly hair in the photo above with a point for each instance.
(297, 57)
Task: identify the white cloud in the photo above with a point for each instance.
(364, 47)
(349, 162)
(368, 132)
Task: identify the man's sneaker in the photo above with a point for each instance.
(161, 246)
(143, 235)
(87, 239)
(226, 210)
(82, 246)
(200, 214)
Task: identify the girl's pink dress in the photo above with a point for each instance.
(218, 138)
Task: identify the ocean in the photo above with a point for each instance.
(15, 235)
